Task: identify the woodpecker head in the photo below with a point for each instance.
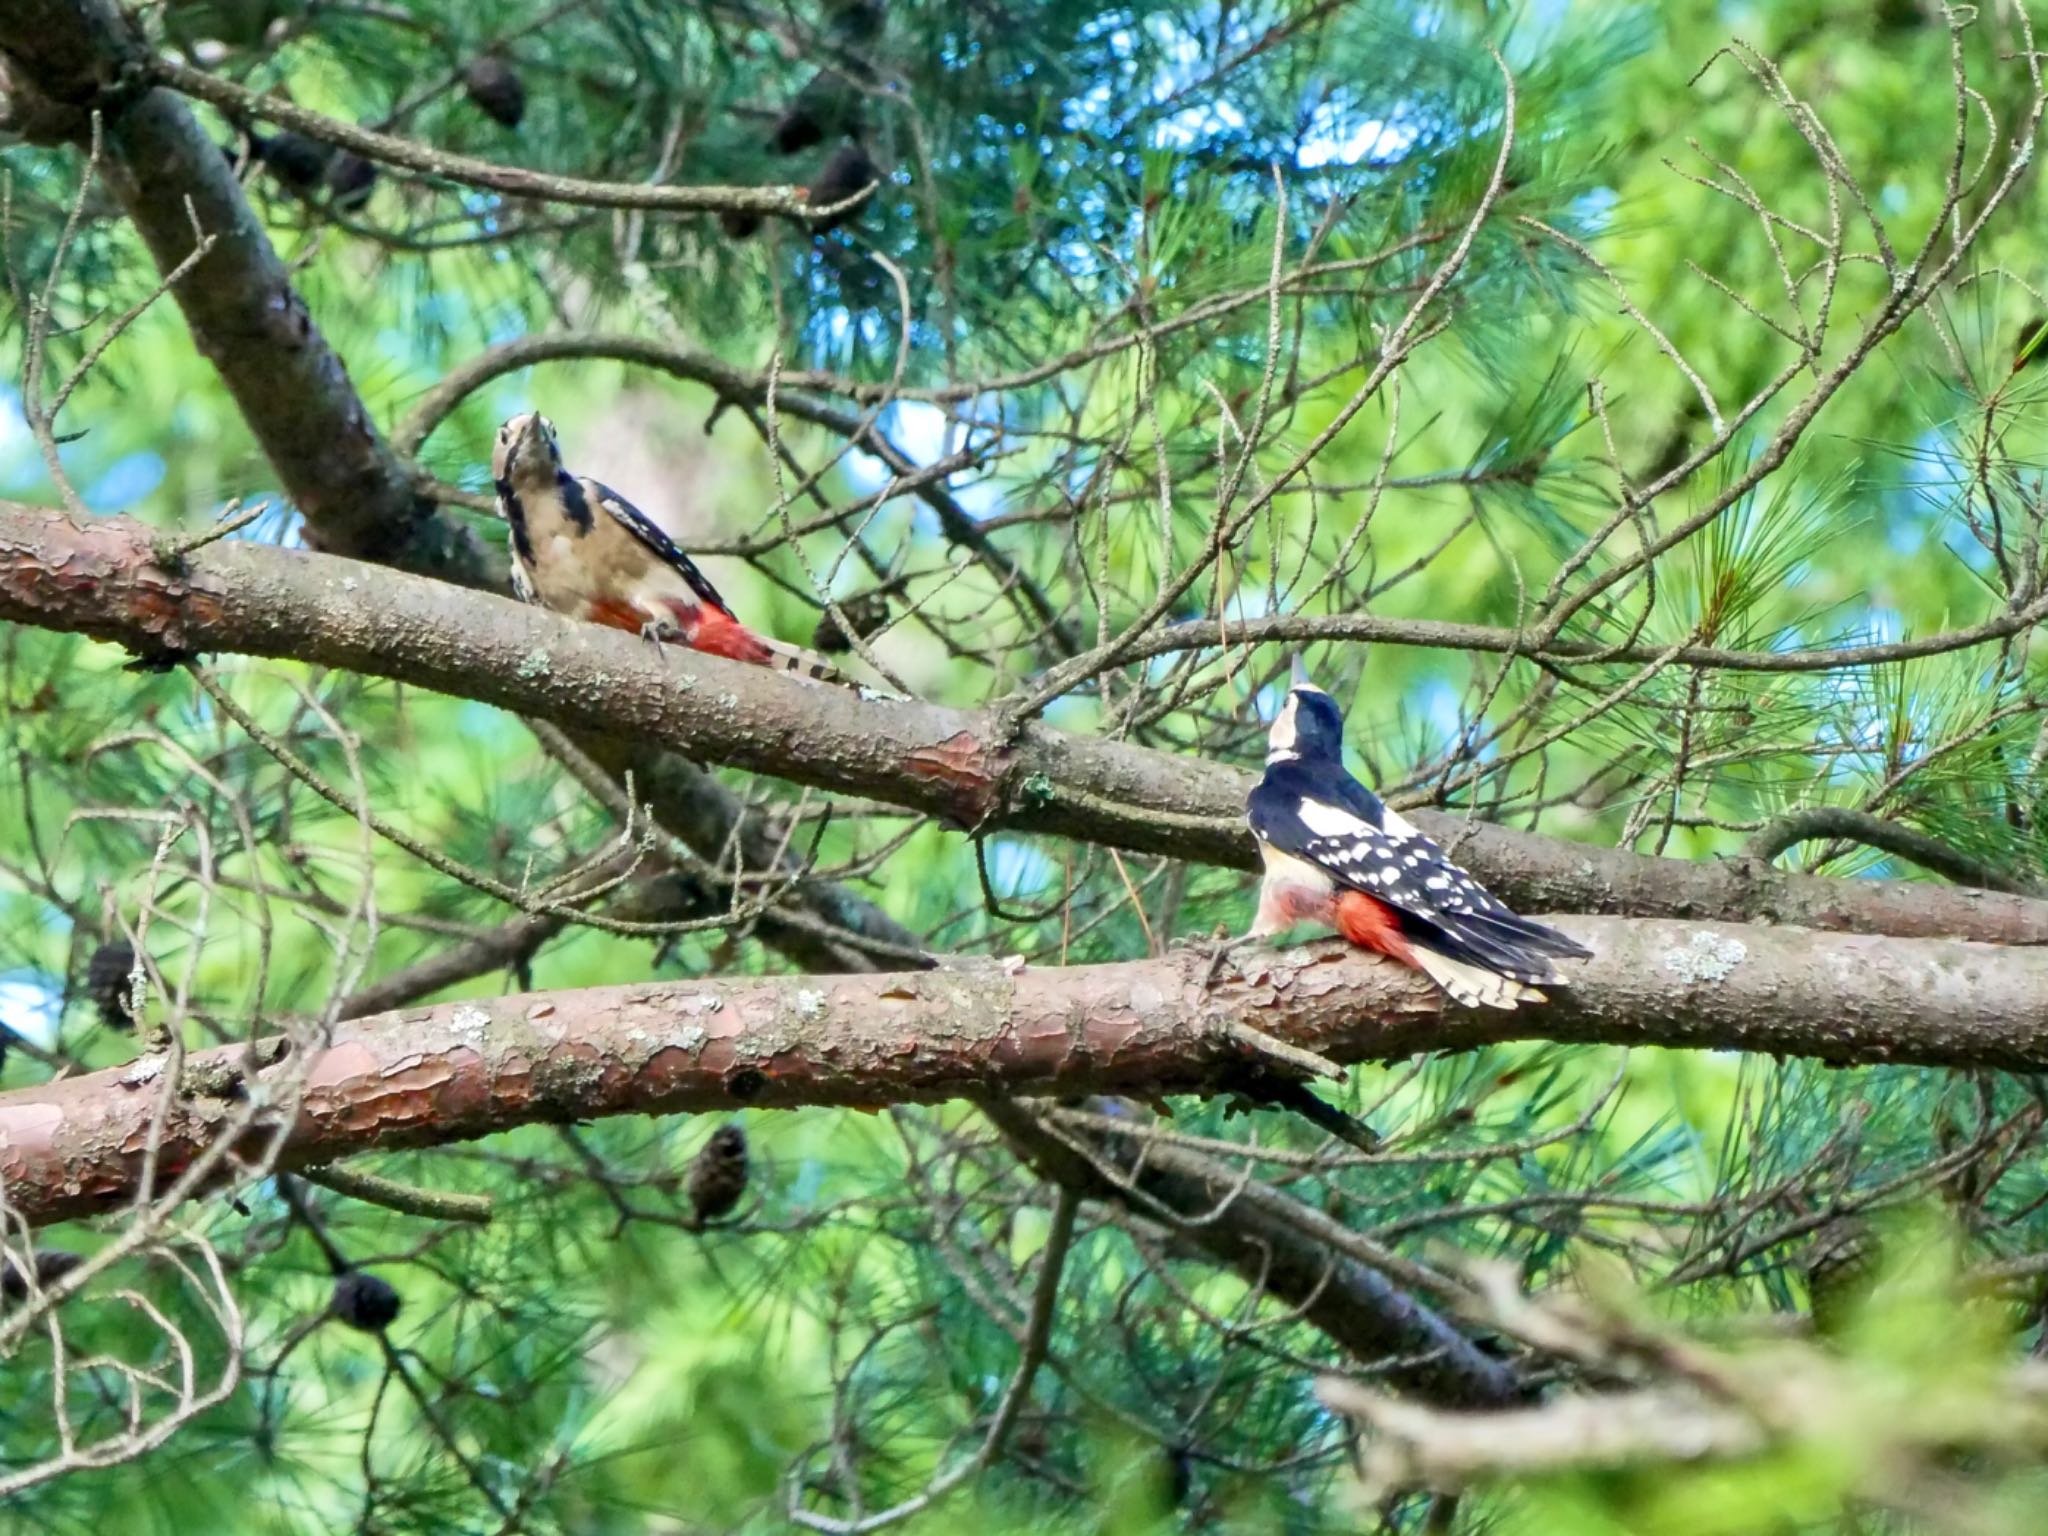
(1308, 724)
(526, 450)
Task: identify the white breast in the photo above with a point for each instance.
(1284, 868)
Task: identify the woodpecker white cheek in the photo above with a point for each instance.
(1280, 739)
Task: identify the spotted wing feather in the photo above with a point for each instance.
(1330, 820)
(649, 533)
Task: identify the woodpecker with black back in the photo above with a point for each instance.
(581, 548)
(1335, 854)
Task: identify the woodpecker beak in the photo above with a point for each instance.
(525, 447)
(1301, 677)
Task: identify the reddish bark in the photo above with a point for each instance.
(102, 580)
(427, 1076)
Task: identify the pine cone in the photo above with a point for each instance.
(1840, 1264)
(739, 224)
(856, 21)
(51, 1265)
(865, 613)
(495, 87)
(365, 1301)
(847, 173)
(351, 179)
(718, 1174)
(295, 162)
(106, 982)
(828, 106)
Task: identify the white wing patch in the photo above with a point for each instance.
(1396, 823)
(1326, 820)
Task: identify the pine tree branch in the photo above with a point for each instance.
(357, 496)
(428, 1204)
(241, 103)
(1909, 843)
(288, 383)
(512, 943)
(960, 526)
(427, 1077)
(1493, 639)
(1236, 1223)
(252, 599)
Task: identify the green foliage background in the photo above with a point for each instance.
(1077, 160)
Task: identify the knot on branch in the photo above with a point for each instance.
(972, 773)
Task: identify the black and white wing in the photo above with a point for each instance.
(1327, 818)
(650, 534)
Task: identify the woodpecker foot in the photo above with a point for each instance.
(656, 631)
(1220, 947)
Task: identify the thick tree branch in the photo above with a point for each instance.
(103, 580)
(246, 317)
(430, 1076)
(1356, 1305)
(356, 495)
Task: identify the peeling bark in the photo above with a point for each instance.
(423, 1077)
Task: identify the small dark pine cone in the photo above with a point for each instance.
(856, 21)
(865, 614)
(351, 179)
(827, 106)
(298, 163)
(847, 173)
(495, 87)
(365, 1301)
(739, 224)
(106, 982)
(718, 1174)
(1840, 1263)
(51, 1265)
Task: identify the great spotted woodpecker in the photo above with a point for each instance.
(581, 548)
(1336, 855)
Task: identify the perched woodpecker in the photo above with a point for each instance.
(1336, 855)
(583, 549)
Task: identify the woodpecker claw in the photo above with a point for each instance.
(1220, 950)
(655, 632)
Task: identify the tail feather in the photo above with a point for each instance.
(1522, 934)
(1475, 986)
(1507, 958)
(1521, 950)
(783, 657)
(720, 634)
